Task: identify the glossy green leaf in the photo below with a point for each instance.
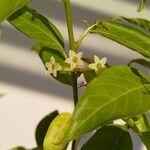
(110, 137)
(116, 93)
(45, 53)
(125, 35)
(42, 127)
(57, 130)
(8, 7)
(38, 28)
(142, 62)
(142, 5)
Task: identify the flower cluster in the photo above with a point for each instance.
(75, 61)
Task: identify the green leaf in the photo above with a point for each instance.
(89, 75)
(45, 53)
(125, 35)
(110, 137)
(145, 136)
(116, 93)
(22, 148)
(142, 5)
(8, 7)
(57, 130)
(18, 148)
(141, 125)
(38, 28)
(142, 62)
(140, 22)
(141, 122)
(42, 127)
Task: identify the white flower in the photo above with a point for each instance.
(98, 63)
(74, 60)
(52, 67)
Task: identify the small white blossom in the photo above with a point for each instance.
(74, 60)
(98, 63)
(53, 67)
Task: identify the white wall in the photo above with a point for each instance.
(28, 94)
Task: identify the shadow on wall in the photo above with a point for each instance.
(28, 80)
(50, 9)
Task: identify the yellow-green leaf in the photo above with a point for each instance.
(142, 5)
(57, 130)
(116, 93)
(125, 35)
(8, 7)
(141, 125)
(42, 128)
(38, 28)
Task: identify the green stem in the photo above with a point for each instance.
(78, 42)
(75, 88)
(72, 47)
(69, 24)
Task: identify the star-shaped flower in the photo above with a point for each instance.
(74, 60)
(53, 67)
(98, 63)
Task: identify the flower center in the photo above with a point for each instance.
(53, 67)
(75, 59)
(99, 66)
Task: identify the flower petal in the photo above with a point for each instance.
(54, 73)
(103, 61)
(59, 67)
(73, 66)
(72, 53)
(80, 54)
(47, 64)
(52, 60)
(96, 59)
(81, 62)
(92, 66)
(49, 71)
(68, 60)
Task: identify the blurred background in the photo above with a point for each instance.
(28, 94)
